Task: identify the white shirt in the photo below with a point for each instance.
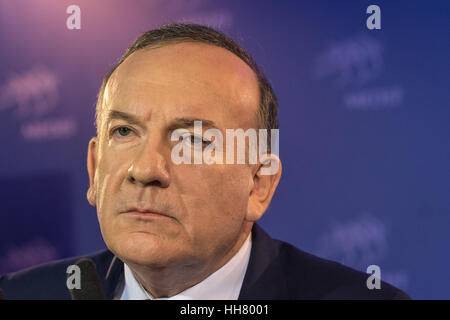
(223, 284)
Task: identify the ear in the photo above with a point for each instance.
(264, 183)
(92, 166)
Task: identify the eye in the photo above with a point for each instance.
(196, 140)
(122, 131)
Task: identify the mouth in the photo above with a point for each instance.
(146, 213)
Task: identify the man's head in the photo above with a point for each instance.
(175, 33)
(166, 80)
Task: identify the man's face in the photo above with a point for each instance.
(203, 207)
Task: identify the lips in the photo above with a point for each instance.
(146, 212)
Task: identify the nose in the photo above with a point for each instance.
(150, 166)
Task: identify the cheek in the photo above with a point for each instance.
(103, 192)
(213, 196)
(109, 179)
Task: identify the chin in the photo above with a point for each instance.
(145, 249)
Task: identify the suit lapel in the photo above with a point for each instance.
(264, 277)
(114, 281)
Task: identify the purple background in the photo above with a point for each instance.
(363, 125)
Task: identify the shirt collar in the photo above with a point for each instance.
(223, 284)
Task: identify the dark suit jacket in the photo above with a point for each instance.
(276, 270)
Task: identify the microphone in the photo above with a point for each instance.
(91, 288)
(2, 296)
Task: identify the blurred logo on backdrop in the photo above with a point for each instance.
(31, 253)
(33, 97)
(356, 64)
(359, 243)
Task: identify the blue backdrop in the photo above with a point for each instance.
(363, 125)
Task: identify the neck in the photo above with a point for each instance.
(170, 281)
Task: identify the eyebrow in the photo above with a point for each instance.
(183, 122)
(189, 123)
(119, 115)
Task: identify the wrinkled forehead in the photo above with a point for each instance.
(185, 79)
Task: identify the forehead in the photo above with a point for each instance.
(185, 79)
